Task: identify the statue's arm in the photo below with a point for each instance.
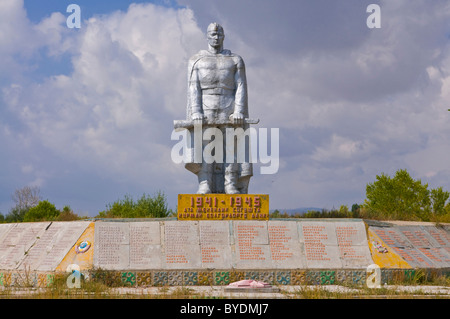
(195, 95)
(241, 98)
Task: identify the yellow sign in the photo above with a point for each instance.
(223, 207)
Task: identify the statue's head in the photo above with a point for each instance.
(215, 35)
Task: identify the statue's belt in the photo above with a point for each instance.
(217, 91)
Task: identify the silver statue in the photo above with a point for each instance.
(217, 97)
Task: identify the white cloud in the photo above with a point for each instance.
(339, 148)
(351, 111)
(112, 105)
(350, 102)
(114, 113)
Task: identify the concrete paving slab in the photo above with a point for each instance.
(285, 247)
(215, 244)
(252, 248)
(181, 245)
(320, 244)
(51, 247)
(145, 245)
(17, 241)
(111, 245)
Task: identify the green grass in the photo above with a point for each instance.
(106, 287)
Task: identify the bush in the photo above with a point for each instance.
(43, 211)
(277, 214)
(144, 207)
(16, 215)
(343, 212)
(67, 214)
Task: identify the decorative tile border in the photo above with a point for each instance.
(298, 277)
(175, 278)
(190, 278)
(237, 276)
(221, 278)
(359, 277)
(205, 278)
(107, 277)
(5, 279)
(128, 278)
(343, 276)
(327, 277)
(160, 278)
(45, 280)
(283, 278)
(218, 277)
(144, 279)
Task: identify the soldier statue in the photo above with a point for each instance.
(217, 95)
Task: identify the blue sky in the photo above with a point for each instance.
(86, 114)
(39, 9)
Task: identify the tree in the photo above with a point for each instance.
(43, 211)
(16, 215)
(355, 210)
(343, 212)
(277, 214)
(438, 199)
(67, 214)
(26, 197)
(402, 197)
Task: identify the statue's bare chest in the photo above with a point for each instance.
(216, 70)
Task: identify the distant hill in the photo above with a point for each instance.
(293, 211)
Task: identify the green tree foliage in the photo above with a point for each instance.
(277, 214)
(15, 215)
(343, 212)
(438, 199)
(43, 211)
(145, 207)
(402, 197)
(24, 199)
(67, 214)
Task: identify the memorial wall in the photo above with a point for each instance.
(165, 244)
(37, 246)
(419, 246)
(273, 244)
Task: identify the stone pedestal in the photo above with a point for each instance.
(223, 207)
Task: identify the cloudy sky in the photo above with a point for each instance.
(87, 114)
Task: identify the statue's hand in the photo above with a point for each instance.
(238, 118)
(197, 117)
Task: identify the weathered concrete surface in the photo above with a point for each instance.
(171, 245)
(52, 246)
(17, 241)
(420, 246)
(274, 244)
(85, 258)
(383, 255)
